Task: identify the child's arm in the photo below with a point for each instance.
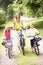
(3, 35)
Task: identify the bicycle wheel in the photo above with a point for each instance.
(36, 48)
(9, 52)
(22, 50)
(22, 45)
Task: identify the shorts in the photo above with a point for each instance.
(32, 42)
(8, 43)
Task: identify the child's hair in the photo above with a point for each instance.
(31, 24)
(6, 28)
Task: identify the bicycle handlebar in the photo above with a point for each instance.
(33, 36)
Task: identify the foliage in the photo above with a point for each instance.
(4, 4)
(30, 8)
(2, 17)
(39, 24)
(10, 12)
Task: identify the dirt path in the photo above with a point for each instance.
(4, 59)
(40, 57)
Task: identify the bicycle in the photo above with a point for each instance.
(36, 45)
(22, 41)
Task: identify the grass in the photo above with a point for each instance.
(29, 58)
(41, 32)
(7, 23)
(0, 40)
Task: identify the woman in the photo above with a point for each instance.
(17, 25)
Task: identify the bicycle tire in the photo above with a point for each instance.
(9, 52)
(36, 48)
(22, 45)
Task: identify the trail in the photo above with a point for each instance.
(4, 59)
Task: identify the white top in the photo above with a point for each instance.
(32, 32)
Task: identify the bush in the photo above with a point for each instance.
(2, 17)
(39, 24)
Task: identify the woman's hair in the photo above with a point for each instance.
(17, 14)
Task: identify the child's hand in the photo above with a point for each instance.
(4, 37)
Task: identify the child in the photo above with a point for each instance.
(32, 32)
(7, 37)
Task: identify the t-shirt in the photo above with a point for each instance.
(7, 34)
(18, 25)
(32, 32)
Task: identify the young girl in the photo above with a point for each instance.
(7, 37)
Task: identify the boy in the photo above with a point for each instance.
(32, 32)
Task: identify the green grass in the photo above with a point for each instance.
(29, 58)
(0, 40)
(7, 23)
(41, 32)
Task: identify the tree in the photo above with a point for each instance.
(2, 16)
(4, 4)
(34, 6)
(28, 7)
